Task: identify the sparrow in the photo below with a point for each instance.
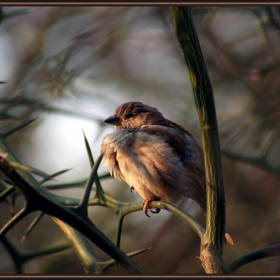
(157, 158)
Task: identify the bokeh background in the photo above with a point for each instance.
(70, 67)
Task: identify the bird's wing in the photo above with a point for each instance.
(189, 152)
(177, 141)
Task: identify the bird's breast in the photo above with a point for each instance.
(145, 162)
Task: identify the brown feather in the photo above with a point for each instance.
(156, 157)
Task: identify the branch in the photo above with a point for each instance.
(267, 252)
(212, 243)
(39, 199)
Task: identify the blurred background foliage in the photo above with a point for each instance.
(72, 66)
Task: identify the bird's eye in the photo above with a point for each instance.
(128, 115)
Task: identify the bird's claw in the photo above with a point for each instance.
(146, 203)
(155, 211)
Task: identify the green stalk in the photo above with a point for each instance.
(213, 240)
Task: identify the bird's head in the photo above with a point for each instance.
(133, 115)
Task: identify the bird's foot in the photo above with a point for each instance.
(155, 211)
(146, 203)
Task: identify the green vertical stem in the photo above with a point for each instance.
(186, 34)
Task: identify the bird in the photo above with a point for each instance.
(157, 158)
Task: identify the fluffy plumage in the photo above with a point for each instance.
(156, 157)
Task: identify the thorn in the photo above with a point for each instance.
(7, 133)
(228, 239)
(23, 239)
(4, 156)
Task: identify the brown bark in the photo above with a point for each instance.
(211, 261)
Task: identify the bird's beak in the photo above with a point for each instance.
(113, 120)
